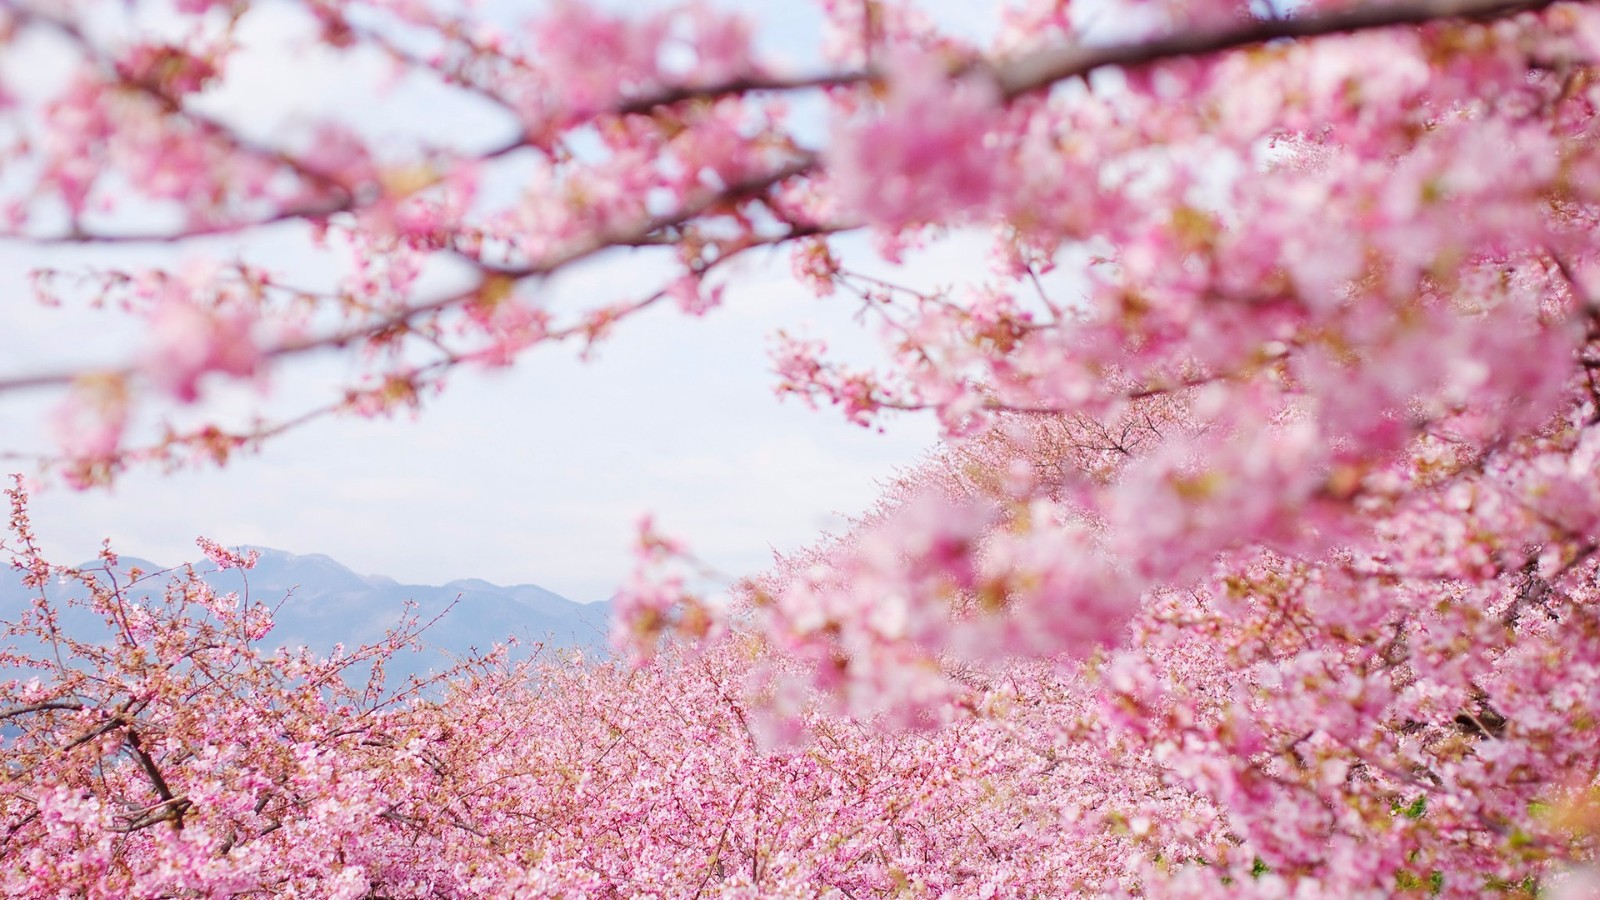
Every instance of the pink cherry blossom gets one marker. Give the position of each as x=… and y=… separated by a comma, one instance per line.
x=929, y=153
x=188, y=341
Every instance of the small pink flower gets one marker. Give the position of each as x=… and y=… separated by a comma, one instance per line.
x=223, y=558
x=929, y=156
x=692, y=296
x=188, y=341
x=90, y=422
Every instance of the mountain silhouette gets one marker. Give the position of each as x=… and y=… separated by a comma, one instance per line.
x=321, y=603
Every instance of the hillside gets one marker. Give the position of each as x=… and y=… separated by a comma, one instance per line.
x=320, y=603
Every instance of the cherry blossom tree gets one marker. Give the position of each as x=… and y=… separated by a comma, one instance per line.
x=180, y=758
x=1359, y=721
x=1260, y=555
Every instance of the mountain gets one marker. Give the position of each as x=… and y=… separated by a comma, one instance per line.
x=320, y=602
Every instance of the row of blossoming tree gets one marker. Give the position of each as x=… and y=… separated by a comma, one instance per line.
x=1263, y=563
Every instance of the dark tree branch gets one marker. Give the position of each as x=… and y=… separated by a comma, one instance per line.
x=1036, y=71
x=13, y=712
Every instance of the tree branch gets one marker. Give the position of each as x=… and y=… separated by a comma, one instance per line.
x=1040, y=70
x=13, y=712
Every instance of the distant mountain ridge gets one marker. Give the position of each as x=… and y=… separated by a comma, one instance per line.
x=321, y=602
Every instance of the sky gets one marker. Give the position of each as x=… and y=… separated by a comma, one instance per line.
x=537, y=474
